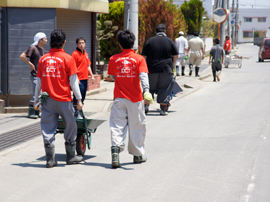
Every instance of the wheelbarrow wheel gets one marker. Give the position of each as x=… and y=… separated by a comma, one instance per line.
x=81, y=144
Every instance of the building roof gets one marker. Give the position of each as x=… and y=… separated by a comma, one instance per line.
x=97, y=6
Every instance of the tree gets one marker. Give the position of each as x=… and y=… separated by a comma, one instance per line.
x=193, y=13
x=116, y=16
x=154, y=12
x=106, y=33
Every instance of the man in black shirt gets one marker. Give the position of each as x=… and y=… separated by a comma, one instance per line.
x=160, y=53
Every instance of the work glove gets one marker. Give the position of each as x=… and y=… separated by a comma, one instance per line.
x=186, y=57
x=148, y=96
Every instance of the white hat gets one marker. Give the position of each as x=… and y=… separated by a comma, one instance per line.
x=37, y=37
x=182, y=33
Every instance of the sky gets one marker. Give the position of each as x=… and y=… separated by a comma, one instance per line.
x=254, y=3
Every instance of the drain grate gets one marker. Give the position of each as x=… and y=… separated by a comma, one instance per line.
x=23, y=134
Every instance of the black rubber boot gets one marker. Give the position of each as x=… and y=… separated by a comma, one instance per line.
x=37, y=113
x=115, y=157
x=214, y=76
x=32, y=112
x=50, y=156
x=197, y=71
x=190, y=69
x=163, y=111
x=71, y=156
x=183, y=70
x=177, y=70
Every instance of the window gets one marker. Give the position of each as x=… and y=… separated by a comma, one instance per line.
x=267, y=43
x=261, y=19
x=247, y=34
x=247, y=19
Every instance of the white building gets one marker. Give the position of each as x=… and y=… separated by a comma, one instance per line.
x=251, y=20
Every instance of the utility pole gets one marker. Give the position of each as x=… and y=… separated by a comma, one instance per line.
x=236, y=22
x=232, y=42
x=131, y=19
x=229, y=18
x=222, y=26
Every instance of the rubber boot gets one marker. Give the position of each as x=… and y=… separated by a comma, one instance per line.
x=190, y=69
x=197, y=71
x=71, y=156
x=37, y=113
x=214, y=76
x=32, y=112
x=183, y=70
x=163, y=110
x=177, y=70
x=115, y=157
x=50, y=156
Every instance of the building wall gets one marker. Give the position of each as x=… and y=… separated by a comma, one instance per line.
x=23, y=24
x=254, y=25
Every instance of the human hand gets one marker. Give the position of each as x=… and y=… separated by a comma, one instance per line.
x=209, y=62
x=148, y=99
x=32, y=67
x=79, y=105
x=36, y=105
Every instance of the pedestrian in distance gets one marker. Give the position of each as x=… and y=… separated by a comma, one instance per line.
x=83, y=70
x=227, y=45
x=181, y=44
x=128, y=69
x=196, y=48
x=56, y=74
x=217, y=59
x=34, y=53
x=160, y=53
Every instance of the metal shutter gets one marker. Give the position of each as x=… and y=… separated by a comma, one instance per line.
x=75, y=24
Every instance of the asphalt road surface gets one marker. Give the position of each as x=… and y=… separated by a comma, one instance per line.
x=214, y=146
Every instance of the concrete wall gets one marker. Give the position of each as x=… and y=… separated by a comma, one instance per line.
x=208, y=43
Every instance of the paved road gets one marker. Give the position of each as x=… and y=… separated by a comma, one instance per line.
x=213, y=147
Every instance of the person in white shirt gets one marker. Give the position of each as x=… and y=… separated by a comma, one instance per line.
x=181, y=44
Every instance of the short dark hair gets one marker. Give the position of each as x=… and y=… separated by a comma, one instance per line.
x=126, y=38
x=58, y=38
x=227, y=37
x=80, y=38
x=161, y=28
x=196, y=33
x=216, y=40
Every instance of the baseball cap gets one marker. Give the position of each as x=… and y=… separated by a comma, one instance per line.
x=37, y=37
x=181, y=33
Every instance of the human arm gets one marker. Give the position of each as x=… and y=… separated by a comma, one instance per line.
x=23, y=56
x=175, y=58
x=222, y=58
x=210, y=59
x=74, y=84
x=90, y=73
x=145, y=86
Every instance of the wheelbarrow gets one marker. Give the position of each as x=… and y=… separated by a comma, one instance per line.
x=85, y=128
x=233, y=59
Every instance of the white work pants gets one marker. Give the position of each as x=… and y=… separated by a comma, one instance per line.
x=127, y=116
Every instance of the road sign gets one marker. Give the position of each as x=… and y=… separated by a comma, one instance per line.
x=232, y=22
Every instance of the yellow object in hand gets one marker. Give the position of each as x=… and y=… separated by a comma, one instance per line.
x=148, y=96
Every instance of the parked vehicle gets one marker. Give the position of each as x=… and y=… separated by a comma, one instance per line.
x=264, y=51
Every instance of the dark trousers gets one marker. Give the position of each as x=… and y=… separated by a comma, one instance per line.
x=216, y=66
x=83, y=89
x=162, y=84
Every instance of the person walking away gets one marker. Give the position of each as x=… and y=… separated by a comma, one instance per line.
x=217, y=58
x=181, y=44
x=195, y=46
x=83, y=70
x=34, y=53
x=227, y=45
x=160, y=53
x=127, y=112
x=56, y=73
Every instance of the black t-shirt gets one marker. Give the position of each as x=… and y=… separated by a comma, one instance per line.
x=159, y=51
x=35, y=53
